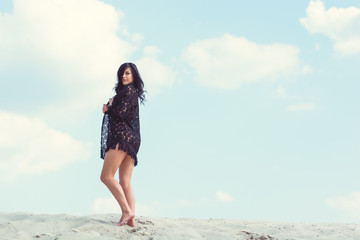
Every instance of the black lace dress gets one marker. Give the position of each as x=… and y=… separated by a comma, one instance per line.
x=121, y=123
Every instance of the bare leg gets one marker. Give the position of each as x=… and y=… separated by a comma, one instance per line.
x=125, y=172
x=112, y=161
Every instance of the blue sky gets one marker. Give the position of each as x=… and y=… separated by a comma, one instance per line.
x=251, y=112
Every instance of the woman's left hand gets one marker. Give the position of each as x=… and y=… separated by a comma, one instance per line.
x=105, y=108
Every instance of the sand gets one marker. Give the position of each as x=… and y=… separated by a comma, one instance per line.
x=17, y=226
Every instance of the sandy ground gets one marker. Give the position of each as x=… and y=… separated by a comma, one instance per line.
x=17, y=226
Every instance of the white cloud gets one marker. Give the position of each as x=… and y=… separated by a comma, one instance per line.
x=349, y=204
x=29, y=146
x=282, y=92
x=155, y=75
x=70, y=48
x=301, y=107
x=306, y=69
x=78, y=35
x=224, y=197
x=65, y=55
x=229, y=61
x=342, y=25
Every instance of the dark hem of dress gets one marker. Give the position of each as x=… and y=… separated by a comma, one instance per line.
x=125, y=147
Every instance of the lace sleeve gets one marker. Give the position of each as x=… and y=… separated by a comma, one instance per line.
x=121, y=106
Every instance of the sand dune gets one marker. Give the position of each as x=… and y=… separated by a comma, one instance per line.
x=17, y=226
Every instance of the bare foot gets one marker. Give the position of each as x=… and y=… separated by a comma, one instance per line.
x=131, y=222
x=125, y=218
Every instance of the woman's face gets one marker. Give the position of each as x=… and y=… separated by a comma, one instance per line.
x=127, y=77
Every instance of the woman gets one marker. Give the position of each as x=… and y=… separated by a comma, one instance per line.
x=120, y=139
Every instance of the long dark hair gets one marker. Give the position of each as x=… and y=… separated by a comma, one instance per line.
x=137, y=81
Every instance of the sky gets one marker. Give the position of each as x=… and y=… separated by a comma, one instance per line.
x=251, y=111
